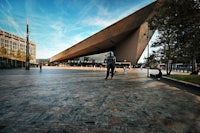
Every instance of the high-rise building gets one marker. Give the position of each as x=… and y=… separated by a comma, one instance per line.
x=14, y=48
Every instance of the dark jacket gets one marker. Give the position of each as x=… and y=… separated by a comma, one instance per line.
x=110, y=60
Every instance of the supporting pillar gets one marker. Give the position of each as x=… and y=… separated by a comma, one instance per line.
x=131, y=48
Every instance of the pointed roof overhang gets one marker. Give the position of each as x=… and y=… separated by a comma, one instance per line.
x=107, y=38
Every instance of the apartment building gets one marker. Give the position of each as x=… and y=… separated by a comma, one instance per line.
x=13, y=47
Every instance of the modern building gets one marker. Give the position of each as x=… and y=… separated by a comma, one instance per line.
x=127, y=38
x=13, y=50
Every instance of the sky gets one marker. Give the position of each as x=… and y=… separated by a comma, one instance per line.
x=56, y=25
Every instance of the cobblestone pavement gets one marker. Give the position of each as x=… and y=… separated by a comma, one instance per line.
x=82, y=101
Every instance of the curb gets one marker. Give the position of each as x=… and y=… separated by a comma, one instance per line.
x=176, y=81
x=184, y=83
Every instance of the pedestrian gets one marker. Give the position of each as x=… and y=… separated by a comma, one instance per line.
x=40, y=66
x=110, y=62
x=159, y=75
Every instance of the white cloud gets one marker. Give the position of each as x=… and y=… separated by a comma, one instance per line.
x=97, y=21
x=45, y=53
x=10, y=19
x=102, y=11
x=12, y=22
x=87, y=9
x=57, y=25
x=105, y=18
x=76, y=39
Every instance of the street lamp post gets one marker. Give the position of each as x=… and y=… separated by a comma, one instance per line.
x=27, y=48
x=148, y=38
x=148, y=54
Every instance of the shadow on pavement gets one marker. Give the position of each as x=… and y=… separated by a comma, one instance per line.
x=188, y=88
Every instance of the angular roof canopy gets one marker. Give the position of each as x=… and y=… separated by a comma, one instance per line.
x=107, y=38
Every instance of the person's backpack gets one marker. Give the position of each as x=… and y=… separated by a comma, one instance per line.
x=110, y=60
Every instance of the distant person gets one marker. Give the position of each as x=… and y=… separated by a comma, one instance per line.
x=159, y=75
x=110, y=62
x=40, y=66
x=124, y=68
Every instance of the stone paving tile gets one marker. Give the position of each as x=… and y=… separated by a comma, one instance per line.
x=81, y=101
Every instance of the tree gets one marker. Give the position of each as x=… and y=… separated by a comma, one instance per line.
x=189, y=30
x=152, y=60
x=12, y=54
x=177, y=22
x=31, y=57
x=3, y=52
x=18, y=56
x=23, y=57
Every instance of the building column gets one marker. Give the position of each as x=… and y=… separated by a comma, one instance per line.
x=131, y=48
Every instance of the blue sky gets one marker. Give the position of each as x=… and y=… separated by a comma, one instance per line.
x=56, y=25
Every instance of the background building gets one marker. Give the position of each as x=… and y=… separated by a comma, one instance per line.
x=45, y=62
x=13, y=50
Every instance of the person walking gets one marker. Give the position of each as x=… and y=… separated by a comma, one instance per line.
x=40, y=66
x=110, y=62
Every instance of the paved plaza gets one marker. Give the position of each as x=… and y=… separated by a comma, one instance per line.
x=80, y=100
